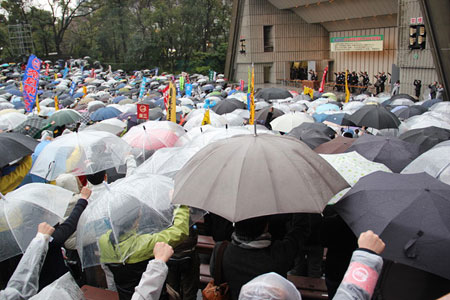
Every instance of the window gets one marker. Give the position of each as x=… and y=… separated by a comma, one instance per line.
x=268, y=38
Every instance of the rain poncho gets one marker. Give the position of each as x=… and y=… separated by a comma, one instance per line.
x=270, y=286
x=24, y=282
x=141, y=246
x=9, y=182
x=65, y=288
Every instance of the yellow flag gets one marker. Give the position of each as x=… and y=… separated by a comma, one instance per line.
x=172, y=106
x=347, y=91
x=56, y=103
x=84, y=91
x=37, y=104
x=21, y=86
x=56, y=76
x=308, y=91
x=206, y=118
x=252, y=98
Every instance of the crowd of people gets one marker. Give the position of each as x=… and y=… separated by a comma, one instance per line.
x=159, y=259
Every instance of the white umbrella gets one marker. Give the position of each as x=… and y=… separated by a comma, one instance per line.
x=286, y=122
x=215, y=119
x=12, y=120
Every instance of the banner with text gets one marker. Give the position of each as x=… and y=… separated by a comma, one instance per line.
x=357, y=43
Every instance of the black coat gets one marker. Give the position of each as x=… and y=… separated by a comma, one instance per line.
x=242, y=265
x=54, y=266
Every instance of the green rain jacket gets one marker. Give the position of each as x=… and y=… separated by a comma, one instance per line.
x=134, y=248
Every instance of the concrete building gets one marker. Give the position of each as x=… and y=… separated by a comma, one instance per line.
x=287, y=38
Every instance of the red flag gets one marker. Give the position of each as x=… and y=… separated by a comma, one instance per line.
x=166, y=96
x=322, y=84
x=242, y=85
x=92, y=73
x=46, y=69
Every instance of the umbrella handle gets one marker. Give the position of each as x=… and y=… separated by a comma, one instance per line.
x=409, y=249
x=49, y=168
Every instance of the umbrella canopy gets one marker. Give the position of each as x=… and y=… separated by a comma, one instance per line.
x=117, y=215
x=273, y=93
x=441, y=107
x=339, y=119
x=14, y=146
x=338, y=145
x=65, y=117
x=435, y=162
x=426, y=138
x=410, y=111
x=352, y=166
x=31, y=126
x=428, y=119
x=287, y=122
x=262, y=114
x=113, y=129
x=326, y=108
x=105, y=113
x=313, y=134
x=410, y=213
x=64, y=288
x=227, y=106
x=402, y=96
x=431, y=102
x=196, y=121
x=374, y=116
x=80, y=153
x=153, y=135
x=11, y=120
x=167, y=161
x=245, y=177
x=95, y=105
x=22, y=210
x=155, y=114
x=390, y=151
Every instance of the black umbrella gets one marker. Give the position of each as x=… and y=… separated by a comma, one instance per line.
x=337, y=145
x=310, y=136
x=273, y=93
x=14, y=146
x=155, y=114
x=374, y=116
x=431, y=102
x=227, y=106
x=328, y=131
x=261, y=115
x=390, y=151
x=410, y=213
x=410, y=111
x=426, y=137
x=402, y=96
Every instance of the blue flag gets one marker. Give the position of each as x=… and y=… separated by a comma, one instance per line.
x=31, y=82
x=72, y=88
x=66, y=70
x=188, y=88
x=142, y=90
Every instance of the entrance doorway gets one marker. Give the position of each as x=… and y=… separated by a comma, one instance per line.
x=267, y=70
x=299, y=70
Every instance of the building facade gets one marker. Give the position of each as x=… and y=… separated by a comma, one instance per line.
x=285, y=39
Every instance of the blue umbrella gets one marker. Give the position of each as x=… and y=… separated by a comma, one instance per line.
x=340, y=119
x=15, y=92
x=118, y=99
x=105, y=113
x=160, y=103
x=78, y=95
x=121, y=85
x=431, y=102
x=209, y=103
x=319, y=117
x=19, y=105
x=4, y=65
x=327, y=107
x=396, y=108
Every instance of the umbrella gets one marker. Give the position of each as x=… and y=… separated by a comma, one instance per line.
x=261, y=115
x=105, y=113
x=155, y=114
x=410, y=111
x=23, y=209
x=80, y=153
x=410, y=213
x=352, y=166
x=427, y=119
x=441, y=107
x=113, y=129
x=351, y=107
x=330, y=96
x=390, y=151
x=249, y=176
x=118, y=211
x=206, y=135
x=309, y=136
x=287, y=122
x=14, y=146
x=95, y=105
x=326, y=108
x=374, y=116
x=426, y=138
x=65, y=117
x=64, y=288
x=431, y=102
x=339, y=119
x=153, y=135
x=31, y=126
x=167, y=161
x=227, y=106
x=402, y=96
x=401, y=102
x=196, y=121
x=11, y=120
x=338, y=145
x=272, y=93
x=435, y=162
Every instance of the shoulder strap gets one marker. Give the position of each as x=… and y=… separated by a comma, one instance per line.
x=218, y=263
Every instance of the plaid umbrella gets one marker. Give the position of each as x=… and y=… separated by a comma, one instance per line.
x=31, y=126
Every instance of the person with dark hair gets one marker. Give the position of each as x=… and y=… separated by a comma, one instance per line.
x=418, y=87
x=253, y=252
x=433, y=90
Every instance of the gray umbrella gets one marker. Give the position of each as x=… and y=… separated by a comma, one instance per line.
x=409, y=212
x=249, y=176
x=312, y=137
x=426, y=137
x=273, y=93
x=390, y=151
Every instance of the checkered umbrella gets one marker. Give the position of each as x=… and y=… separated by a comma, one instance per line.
x=31, y=126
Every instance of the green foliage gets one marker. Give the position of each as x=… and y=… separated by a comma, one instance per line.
x=174, y=35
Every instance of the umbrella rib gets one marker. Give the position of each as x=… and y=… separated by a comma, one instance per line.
x=12, y=231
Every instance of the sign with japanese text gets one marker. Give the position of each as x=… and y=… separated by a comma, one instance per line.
x=357, y=43
x=142, y=111
x=31, y=82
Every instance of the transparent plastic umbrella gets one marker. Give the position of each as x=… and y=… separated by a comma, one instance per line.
x=352, y=166
x=167, y=161
x=195, y=121
x=287, y=122
x=131, y=207
x=215, y=134
x=152, y=135
x=435, y=162
x=81, y=153
x=22, y=210
x=426, y=120
x=12, y=120
x=64, y=288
